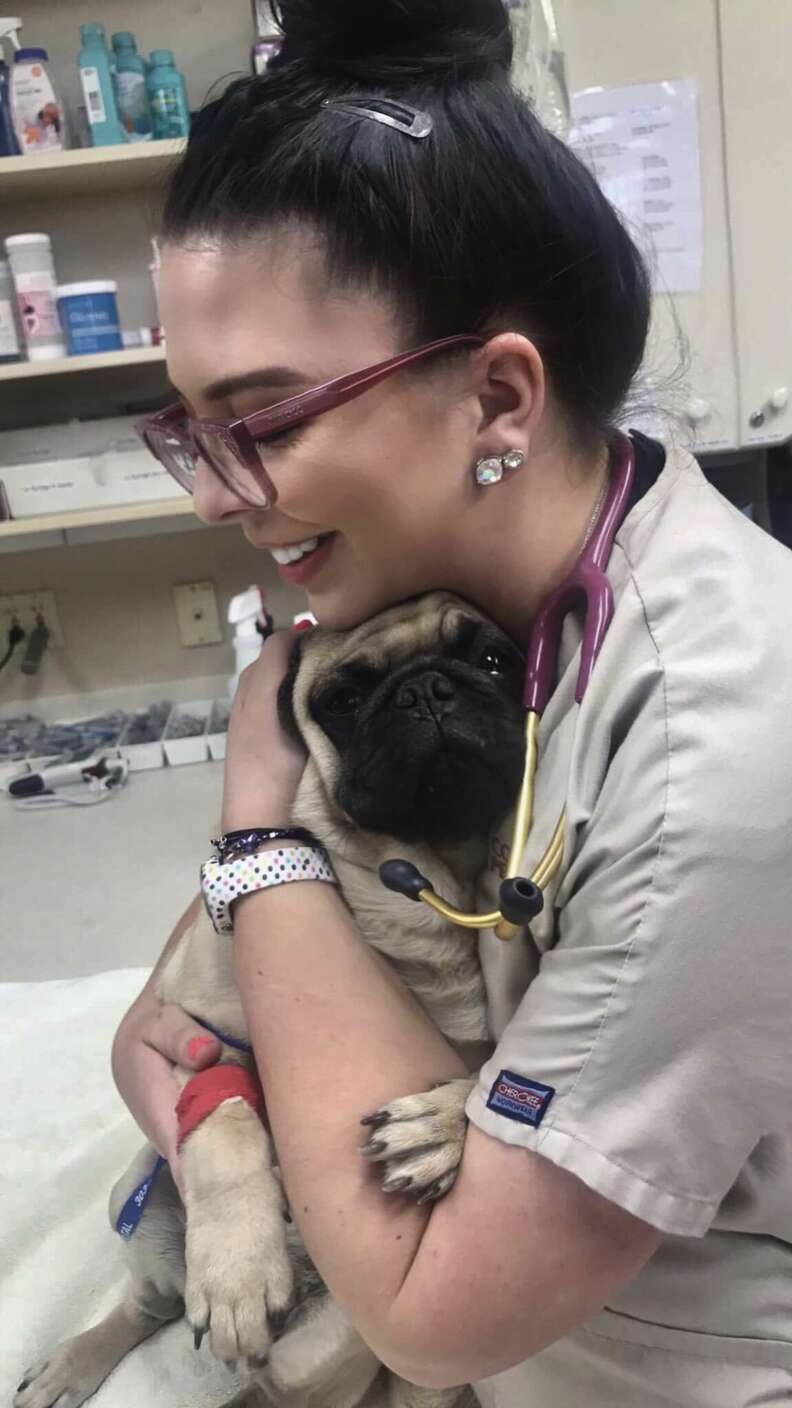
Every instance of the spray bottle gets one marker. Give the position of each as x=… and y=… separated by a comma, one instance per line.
x=36, y=113
x=252, y=624
x=9, y=146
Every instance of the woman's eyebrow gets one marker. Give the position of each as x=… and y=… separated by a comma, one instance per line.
x=264, y=376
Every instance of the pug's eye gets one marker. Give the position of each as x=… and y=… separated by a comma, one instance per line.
x=495, y=662
x=343, y=702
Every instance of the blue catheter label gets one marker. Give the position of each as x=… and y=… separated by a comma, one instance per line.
x=521, y=1099
x=135, y=1205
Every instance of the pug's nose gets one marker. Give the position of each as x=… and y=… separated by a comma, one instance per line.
x=430, y=693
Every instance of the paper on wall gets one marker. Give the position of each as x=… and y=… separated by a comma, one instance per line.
x=641, y=141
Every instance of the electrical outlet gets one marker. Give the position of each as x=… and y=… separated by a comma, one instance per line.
x=26, y=607
x=196, y=613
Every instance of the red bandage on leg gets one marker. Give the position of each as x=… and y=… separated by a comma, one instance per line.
x=210, y=1089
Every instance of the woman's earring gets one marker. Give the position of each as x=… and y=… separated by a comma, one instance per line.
x=492, y=469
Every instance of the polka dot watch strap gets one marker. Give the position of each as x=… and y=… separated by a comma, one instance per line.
x=222, y=883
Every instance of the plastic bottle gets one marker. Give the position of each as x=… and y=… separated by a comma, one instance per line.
x=252, y=623
x=36, y=111
x=154, y=270
x=170, y=113
x=9, y=146
x=9, y=339
x=133, y=103
x=96, y=77
x=30, y=257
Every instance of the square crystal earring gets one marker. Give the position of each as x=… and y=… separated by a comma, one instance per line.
x=492, y=469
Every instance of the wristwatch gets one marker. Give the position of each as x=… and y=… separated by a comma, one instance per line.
x=245, y=861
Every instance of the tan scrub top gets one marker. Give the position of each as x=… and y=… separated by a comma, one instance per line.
x=644, y=1029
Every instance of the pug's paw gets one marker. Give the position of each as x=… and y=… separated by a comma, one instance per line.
x=419, y=1139
x=240, y=1281
x=71, y=1374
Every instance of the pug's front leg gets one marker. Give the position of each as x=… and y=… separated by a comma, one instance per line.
x=419, y=1139
x=240, y=1283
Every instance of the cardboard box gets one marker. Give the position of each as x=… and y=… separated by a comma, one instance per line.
x=100, y=481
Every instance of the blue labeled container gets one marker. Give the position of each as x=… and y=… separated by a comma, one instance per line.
x=98, y=84
x=170, y=112
x=89, y=315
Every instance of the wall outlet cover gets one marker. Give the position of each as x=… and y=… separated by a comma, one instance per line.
x=197, y=614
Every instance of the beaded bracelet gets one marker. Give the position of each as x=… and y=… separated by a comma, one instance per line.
x=244, y=843
x=224, y=882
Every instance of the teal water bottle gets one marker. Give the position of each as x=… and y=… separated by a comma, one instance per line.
x=133, y=103
x=167, y=93
x=96, y=77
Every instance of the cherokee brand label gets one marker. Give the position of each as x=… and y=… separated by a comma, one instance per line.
x=521, y=1099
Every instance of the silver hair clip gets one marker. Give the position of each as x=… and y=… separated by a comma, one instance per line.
x=411, y=121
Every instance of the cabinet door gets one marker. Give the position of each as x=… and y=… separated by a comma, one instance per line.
x=757, y=98
x=622, y=42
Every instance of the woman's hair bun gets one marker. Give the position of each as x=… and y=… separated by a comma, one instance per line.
x=377, y=42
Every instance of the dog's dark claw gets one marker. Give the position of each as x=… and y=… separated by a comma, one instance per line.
x=379, y=1117
x=21, y=1387
x=397, y=1186
x=199, y=1334
x=277, y=1318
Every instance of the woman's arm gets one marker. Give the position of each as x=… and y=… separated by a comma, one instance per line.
x=520, y=1251
x=149, y=1040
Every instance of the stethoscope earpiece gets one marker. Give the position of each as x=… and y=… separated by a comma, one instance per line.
x=520, y=901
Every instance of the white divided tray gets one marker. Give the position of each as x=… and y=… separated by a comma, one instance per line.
x=143, y=756
x=218, y=729
x=195, y=748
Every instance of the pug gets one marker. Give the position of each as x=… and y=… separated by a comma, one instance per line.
x=413, y=729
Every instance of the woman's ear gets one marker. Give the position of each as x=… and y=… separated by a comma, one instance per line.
x=511, y=394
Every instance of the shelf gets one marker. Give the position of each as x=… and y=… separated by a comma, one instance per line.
x=95, y=518
x=86, y=171
x=96, y=362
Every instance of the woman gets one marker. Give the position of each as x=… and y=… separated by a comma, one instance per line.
x=306, y=240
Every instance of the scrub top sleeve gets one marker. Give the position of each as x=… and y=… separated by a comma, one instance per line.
x=651, y=1051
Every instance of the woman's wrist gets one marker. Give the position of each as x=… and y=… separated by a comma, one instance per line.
x=260, y=809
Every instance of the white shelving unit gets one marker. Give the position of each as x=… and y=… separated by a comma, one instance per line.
x=49, y=189
x=87, y=171
x=96, y=362
x=22, y=528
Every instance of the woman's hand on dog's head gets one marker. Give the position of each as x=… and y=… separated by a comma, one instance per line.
x=263, y=766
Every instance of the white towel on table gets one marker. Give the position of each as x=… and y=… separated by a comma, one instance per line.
x=65, y=1136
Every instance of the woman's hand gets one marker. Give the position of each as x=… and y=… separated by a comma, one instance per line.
x=150, y=1041
x=263, y=766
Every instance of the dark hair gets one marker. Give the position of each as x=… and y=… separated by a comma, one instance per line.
x=488, y=224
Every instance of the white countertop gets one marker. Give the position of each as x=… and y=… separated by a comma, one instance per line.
x=86, y=889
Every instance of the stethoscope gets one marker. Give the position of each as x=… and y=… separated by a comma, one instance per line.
x=586, y=585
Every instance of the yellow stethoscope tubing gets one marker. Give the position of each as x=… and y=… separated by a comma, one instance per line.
x=523, y=820
x=588, y=578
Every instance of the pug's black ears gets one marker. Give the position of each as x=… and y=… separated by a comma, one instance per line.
x=286, y=714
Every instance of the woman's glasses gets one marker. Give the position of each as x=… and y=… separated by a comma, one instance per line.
x=236, y=449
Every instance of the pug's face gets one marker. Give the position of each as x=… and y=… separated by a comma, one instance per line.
x=414, y=719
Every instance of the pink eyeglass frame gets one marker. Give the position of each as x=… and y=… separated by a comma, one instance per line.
x=240, y=436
